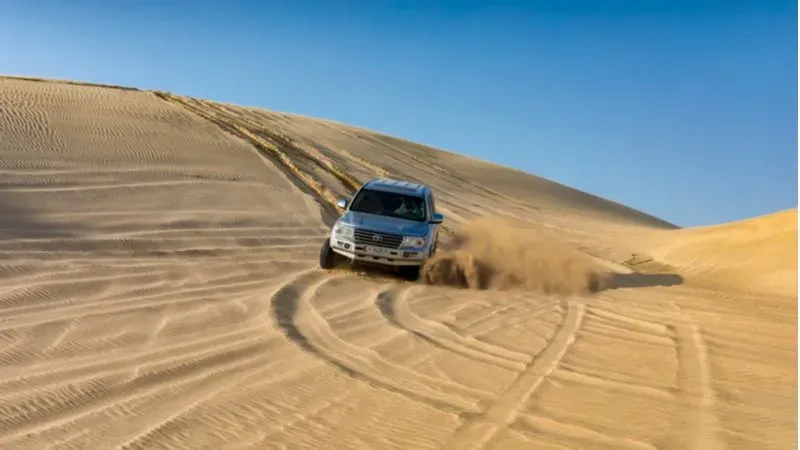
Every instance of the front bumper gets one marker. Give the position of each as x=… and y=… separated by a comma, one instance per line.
x=378, y=255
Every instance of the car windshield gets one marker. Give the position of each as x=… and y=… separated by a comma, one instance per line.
x=391, y=204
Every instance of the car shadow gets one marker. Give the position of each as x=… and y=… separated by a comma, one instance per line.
x=641, y=280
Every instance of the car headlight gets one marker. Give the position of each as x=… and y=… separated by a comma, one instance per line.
x=343, y=231
x=413, y=242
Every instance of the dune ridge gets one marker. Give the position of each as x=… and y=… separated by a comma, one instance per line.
x=160, y=289
x=757, y=254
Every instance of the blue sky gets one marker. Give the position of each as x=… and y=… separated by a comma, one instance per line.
x=686, y=110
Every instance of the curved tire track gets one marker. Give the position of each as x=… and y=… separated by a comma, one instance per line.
x=394, y=307
x=506, y=409
x=303, y=325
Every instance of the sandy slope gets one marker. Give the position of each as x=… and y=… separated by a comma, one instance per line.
x=758, y=254
x=159, y=290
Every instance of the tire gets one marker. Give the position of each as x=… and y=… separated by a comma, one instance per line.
x=435, y=245
x=410, y=273
x=327, y=257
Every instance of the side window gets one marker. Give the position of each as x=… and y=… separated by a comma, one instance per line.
x=432, y=204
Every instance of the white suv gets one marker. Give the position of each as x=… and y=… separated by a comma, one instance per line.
x=387, y=222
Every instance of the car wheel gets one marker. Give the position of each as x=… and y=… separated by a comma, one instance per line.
x=410, y=273
x=327, y=257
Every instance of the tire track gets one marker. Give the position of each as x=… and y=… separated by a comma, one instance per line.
x=278, y=150
x=503, y=412
x=268, y=151
x=652, y=324
x=487, y=316
x=695, y=383
x=695, y=392
x=287, y=145
x=542, y=425
x=394, y=307
x=379, y=171
x=303, y=325
x=631, y=387
x=485, y=326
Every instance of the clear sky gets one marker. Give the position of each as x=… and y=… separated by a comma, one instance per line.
x=683, y=109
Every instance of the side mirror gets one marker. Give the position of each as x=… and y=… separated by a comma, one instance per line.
x=341, y=203
x=437, y=218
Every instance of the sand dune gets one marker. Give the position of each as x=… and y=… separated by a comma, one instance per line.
x=756, y=254
x=160, y=289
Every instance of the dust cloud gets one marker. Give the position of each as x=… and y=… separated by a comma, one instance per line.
x=497, y=255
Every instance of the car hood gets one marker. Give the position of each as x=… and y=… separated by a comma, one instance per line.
x=383, y=223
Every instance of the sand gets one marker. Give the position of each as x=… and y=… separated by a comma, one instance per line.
x=160, y=289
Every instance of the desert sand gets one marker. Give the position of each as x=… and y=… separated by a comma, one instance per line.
x=160, y=289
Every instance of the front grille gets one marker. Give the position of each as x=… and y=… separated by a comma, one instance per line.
x=387, y=240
